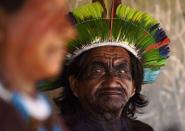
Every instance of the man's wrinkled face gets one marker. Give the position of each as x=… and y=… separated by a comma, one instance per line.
x=106, y=83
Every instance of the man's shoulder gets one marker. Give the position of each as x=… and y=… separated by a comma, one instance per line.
x=9, y=116
x=136, y=125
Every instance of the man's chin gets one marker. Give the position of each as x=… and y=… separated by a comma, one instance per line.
x=111, y=103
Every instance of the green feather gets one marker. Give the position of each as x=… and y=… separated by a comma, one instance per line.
x=88, y=12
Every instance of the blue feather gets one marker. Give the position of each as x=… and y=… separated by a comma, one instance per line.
x=160, y=35
x=164, y=51
x=150, y=75
x=156, y=26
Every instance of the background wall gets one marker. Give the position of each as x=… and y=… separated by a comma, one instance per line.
x=166, y=111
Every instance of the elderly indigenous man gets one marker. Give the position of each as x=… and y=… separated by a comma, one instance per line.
x=33, y=36
x=117, y=50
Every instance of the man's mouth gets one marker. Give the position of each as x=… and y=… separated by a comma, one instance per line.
x=111, y=92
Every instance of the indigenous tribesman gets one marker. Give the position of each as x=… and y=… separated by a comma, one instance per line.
x=118, y=49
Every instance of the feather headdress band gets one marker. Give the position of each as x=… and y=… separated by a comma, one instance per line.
x=110, y=23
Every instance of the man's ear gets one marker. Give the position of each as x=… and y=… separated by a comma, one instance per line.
x=133, y=92
x=72, y=83
x=133, y=89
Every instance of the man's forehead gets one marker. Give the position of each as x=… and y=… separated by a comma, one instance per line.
x=109, y=52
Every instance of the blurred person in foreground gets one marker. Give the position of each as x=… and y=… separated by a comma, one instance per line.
x=33, y=37
x=118, y=49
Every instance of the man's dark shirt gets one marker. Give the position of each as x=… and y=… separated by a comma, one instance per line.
x=10, y=119
x=85, y=124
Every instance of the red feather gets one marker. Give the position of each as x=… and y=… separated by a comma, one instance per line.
x=158, y=45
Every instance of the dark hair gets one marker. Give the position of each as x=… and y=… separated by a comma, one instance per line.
x=11, y=6
x=69, y=104
x=138, y=101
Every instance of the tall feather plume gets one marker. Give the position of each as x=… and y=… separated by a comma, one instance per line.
x=114, y=5
x=110, y=7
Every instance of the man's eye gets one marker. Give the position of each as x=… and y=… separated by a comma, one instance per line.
x=98, y=70
x=121, y=71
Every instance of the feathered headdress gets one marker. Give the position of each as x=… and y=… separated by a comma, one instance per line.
x=110, y=23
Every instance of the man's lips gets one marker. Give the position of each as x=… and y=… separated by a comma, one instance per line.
x=111, y=92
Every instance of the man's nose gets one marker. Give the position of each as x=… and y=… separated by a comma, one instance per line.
x=111, y=81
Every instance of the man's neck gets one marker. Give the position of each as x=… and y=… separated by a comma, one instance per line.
x=107, y=121
x=101, y=114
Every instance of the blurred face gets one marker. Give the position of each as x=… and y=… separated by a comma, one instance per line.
x=106, y=84
x=37, y=36
x=43, y=59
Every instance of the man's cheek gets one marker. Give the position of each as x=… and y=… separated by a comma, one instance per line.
x=127, y=77
x=84, y=89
